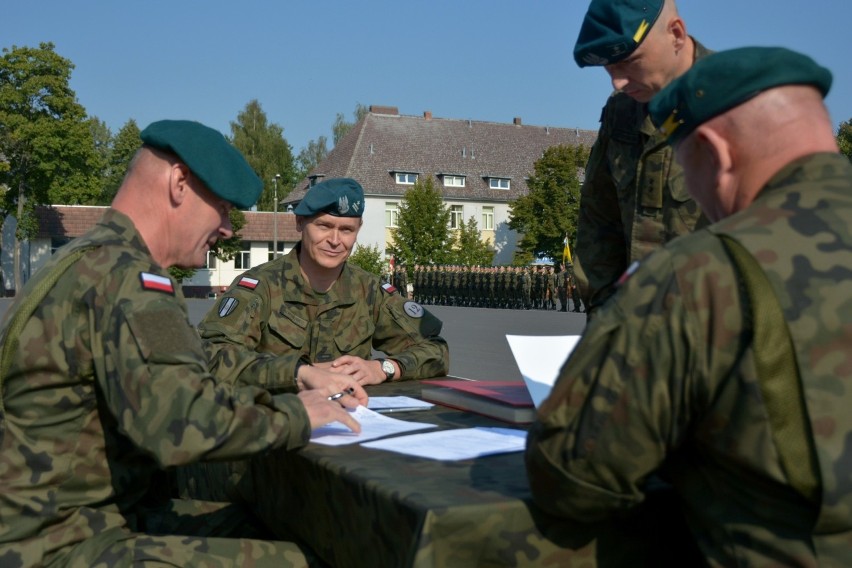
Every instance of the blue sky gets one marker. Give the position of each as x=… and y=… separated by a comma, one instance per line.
x=307, y=60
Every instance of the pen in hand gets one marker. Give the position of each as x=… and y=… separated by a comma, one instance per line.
x=340, y=394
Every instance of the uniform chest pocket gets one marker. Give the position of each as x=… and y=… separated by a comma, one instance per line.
x=289, y=326
x=622, y=156
x=352, y=334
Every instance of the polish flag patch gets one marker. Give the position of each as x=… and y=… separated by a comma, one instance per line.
x=250, y=283
x=634, y=266
x=389, y=288
x=156, y=282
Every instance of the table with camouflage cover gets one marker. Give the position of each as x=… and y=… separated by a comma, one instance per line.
x=360, y=507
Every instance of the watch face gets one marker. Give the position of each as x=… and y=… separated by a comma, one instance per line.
x=387, y=367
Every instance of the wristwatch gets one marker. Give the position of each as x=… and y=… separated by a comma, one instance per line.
x=388, y=368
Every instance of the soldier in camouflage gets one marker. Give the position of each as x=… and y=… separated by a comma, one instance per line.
x=633, y=198
x=723, y=362
x=105, y=382
x=306, y=317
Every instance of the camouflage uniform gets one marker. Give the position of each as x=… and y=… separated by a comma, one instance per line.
x=108, y=386
x=271, y=310
x=665, y=380
x=633, y=199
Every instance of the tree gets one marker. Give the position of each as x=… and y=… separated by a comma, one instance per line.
x=549, y=211
x=311, y=155
x=469, y=249
x=341, y=128
x=124, y=147
x=45, y=138
x=844, y=138
x=224, y=250
x=367, y=257
x=422, y=235
x=267, y=152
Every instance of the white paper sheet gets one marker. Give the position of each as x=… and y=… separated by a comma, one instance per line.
x=373, y=425
x=397, y=404
x=539, y=359
x=459, y=444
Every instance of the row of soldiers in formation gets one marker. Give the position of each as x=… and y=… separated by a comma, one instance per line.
x=513, y=287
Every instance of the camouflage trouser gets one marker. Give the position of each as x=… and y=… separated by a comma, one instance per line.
x=216, y=529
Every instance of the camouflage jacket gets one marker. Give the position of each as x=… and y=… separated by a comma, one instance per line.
x=270, y=319
x=633, y=199
x=664, y=381
x=108, y=386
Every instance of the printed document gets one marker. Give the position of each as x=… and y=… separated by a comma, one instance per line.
x=539, y=359
x=373, y=425
x=459, y=444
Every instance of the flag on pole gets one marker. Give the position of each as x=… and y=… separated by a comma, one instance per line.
x=566, y=251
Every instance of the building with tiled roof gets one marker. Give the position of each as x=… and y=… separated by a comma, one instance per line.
x=480, y=167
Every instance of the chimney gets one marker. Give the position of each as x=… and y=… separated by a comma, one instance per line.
x=517, y=121
x=427, y=115
x=377, y=109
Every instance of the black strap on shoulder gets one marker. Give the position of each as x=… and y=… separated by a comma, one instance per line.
x=35, y=295
x=778, y=373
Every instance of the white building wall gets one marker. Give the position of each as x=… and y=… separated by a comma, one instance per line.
x=505, y=240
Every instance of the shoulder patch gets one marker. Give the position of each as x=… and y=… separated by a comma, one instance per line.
x=227, y=306
x=634, y=266
x=413, y=309
x=156, y=282
x=389, y=288
x=250, y=283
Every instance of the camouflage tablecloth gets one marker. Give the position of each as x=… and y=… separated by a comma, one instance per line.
x=360, y=507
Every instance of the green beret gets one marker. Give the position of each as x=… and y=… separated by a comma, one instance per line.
x=613, y=29
x=723, y=80
x=341, y=197
x=209, y=156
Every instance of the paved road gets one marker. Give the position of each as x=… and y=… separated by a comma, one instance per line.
x=477, y=336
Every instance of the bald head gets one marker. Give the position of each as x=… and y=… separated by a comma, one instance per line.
x=728, y=159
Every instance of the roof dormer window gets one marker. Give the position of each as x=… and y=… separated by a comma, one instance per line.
x=406, y=178
x=499, y=182
x=453, y=180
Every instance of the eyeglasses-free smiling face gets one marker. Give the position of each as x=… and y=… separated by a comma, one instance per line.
x=327, y=240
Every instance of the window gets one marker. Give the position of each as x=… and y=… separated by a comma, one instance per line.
x=280, y=249
x=210, y=264
x=391, y=214
x=498, y=183
x=456, y=216
x=243, y=259
x=487, y=218
x=406, y=178
x=453, y=181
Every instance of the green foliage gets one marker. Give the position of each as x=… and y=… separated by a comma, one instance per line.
x=44, y=132
x=311, y=155
x=123, y=148
x=267, y=152
x=844, y=138
x=341, y=128
x=422, y=235
x=367, y=257
x=468, y=247
x=549, y=211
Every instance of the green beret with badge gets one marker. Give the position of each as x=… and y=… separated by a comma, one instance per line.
x=613, y=29
x=341, y=197
x=726, y=79
x=209, y=156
